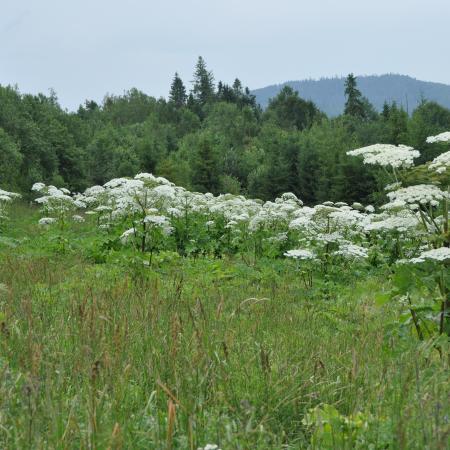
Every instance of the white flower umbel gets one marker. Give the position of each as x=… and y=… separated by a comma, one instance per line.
x=387, y=155
x=45, y=221
x=300, y=253
x=6, y=198
x=405, y=221
x=58, y=203
x=393, y=186
x=437, y=254
x=160, y=222
x=351, y=251
x=38, y=187
x=441, y=163
x=443, y=137
x=209, y=447
x=415, y=196
x=9, y=195
x=126, y=235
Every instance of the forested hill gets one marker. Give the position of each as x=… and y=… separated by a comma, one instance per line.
x=209, y=137
x=328, y=93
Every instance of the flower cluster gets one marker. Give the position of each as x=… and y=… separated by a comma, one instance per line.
x=413, y=197
x=300, y=254
x=394, y=156
x=6, y=198
x=403, y=221
x=436, y=254
x=443, y=137
x=151, y=213
x=441, y=163
x=57, y=204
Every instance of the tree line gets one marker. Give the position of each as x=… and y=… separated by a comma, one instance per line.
x=213, y=137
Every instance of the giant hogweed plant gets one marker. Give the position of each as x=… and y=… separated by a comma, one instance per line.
x=409, y=233
x=416, y=219
x=6, y=199
x=58, y=205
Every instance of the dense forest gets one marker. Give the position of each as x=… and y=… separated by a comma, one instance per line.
x=211, y=138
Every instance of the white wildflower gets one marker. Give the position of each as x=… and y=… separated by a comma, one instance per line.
x=103, y=208
x=79, y=204
x=349, y=250
x=414, y=196
x=126, y=235
x=303, y=254
x=46, y=221
x=400, y=223
x=176, y=212
x=393, y=186
x=94, y=191
x=38, y=187
x=155, y=220
x=280, y=237
x=231, y=224
x=387, y=155
x=443, y=137
x=437, y=254
x=328, y=238
x=145, y=176
x=441, y=163
x=289, y=197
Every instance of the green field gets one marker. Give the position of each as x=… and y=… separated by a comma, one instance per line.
x=187, y=352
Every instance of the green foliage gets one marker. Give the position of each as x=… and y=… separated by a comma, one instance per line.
x=428, y=119
x=210, y=137
x=102, y=348
x=332, y=430
x=288, y=111
x=203, y=85
x=177, y=93
x=10, y=161
x=355, y=105
x=205, y=164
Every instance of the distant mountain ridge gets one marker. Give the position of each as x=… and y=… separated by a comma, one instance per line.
x=328, y=93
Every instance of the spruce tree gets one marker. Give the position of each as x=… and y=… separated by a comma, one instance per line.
x=205, y=169
x=203, y=89
x=177, y=94
x=386, y=111
x=354, y=106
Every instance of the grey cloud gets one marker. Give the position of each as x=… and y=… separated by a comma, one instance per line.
x=84, y=49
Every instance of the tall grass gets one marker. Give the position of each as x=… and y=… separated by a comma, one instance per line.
x=190, y=352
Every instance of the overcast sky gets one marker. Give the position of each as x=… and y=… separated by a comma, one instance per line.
x=87, y=48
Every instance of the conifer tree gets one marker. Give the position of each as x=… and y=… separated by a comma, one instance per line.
x=205, y=170
x=354, y=106
x=177, y=94
x=386, y=111
x=203, y=89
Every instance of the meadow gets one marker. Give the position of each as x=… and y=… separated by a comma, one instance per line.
x=156, y=318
